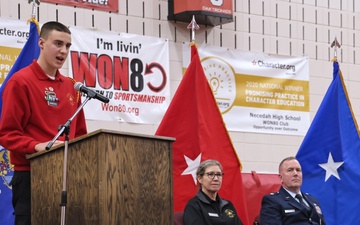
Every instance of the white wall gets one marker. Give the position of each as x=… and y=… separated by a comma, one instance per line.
x=284, y=27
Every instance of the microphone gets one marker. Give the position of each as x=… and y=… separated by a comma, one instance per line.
x=92, y=94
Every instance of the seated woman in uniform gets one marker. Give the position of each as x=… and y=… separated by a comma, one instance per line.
x=207, y=208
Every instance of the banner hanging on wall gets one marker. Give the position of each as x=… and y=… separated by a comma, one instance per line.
x=131, y=70
x=104, y=5
x=257, y=92
x=14, y=34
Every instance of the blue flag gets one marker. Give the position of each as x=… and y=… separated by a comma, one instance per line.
x=29, y=52
x=330, y=156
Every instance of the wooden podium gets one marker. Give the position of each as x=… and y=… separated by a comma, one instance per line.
x=113, y=178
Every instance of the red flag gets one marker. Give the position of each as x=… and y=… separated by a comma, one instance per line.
x=194, y=119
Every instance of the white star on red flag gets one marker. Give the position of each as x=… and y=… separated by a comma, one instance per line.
x=192, y=166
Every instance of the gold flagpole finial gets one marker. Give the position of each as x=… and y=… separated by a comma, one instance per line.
x=193, y=26
x=335, y=44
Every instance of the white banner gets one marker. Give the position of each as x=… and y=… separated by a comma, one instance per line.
x=131, y=70
x=257, y=92
x=13, y=35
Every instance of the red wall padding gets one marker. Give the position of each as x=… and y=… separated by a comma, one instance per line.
x=255, y=187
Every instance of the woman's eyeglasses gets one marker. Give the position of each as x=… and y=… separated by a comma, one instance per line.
x=212, y=175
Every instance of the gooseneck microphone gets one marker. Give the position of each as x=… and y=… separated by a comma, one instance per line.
x=92, y=94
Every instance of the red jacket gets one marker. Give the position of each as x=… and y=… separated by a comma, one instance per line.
x=33, y=108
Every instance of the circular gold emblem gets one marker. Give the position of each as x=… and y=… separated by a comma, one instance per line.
x=229, y=213
x=221, y=77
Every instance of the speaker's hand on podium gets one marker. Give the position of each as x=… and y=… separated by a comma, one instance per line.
x=41, y=146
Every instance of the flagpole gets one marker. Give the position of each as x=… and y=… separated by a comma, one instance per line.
x=34, y=3
x=335, y=44
x=193, y=26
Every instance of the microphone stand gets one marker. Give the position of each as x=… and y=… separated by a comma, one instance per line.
x=65, y=129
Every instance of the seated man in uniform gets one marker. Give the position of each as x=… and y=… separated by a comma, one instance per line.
x=290, y=206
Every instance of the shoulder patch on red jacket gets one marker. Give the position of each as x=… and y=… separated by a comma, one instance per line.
x=78, y=92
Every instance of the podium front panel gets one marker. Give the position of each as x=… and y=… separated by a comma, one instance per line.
x=112, y=179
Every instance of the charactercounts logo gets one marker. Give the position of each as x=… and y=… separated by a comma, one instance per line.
x=221, y=77
x=275, y=65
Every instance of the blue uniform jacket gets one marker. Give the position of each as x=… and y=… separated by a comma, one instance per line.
x=281, y=208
